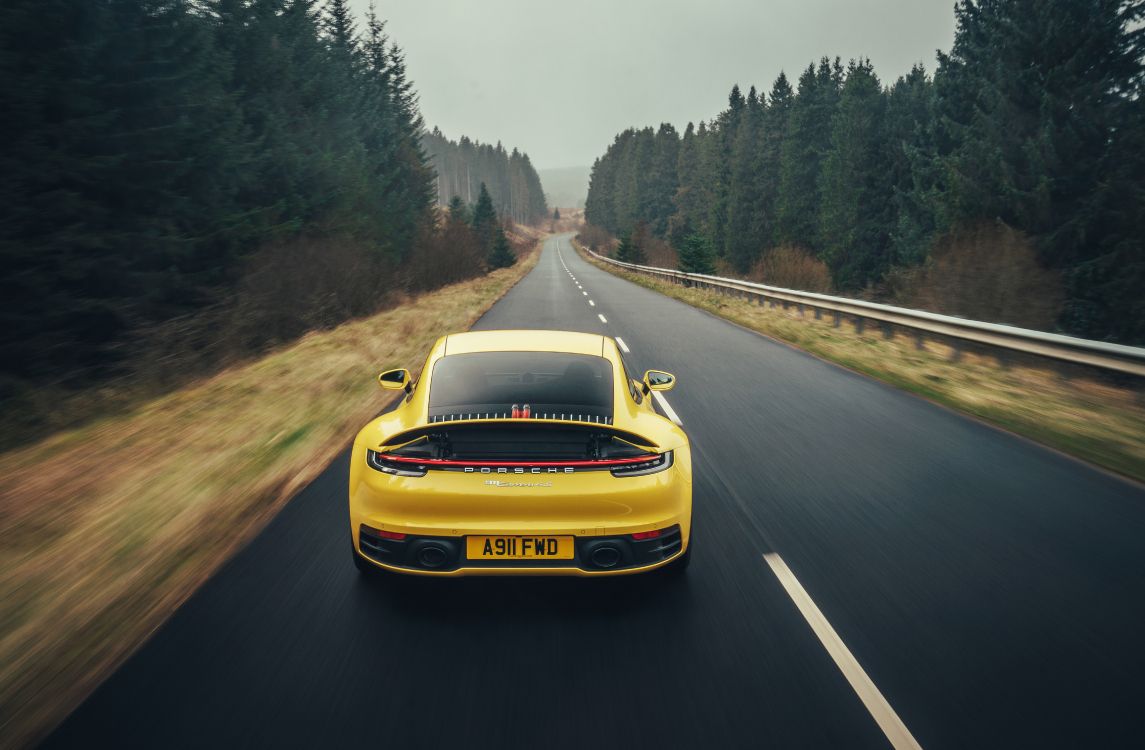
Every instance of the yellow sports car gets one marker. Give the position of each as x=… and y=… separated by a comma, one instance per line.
x=522, y=453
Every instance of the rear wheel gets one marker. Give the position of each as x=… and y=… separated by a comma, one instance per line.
x=365, y=568
x=678, y=566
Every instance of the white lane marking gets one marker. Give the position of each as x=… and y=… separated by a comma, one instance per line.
x=881, y=711
x=623, y=346
x=602, y=318
x=591, y=303
x=669, y=412
x=585, y=293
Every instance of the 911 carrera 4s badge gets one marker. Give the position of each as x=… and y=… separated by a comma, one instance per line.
x=499, y=483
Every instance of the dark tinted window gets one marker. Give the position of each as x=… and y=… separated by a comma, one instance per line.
x=549, y=382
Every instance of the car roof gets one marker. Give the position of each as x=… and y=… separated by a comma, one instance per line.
x=524, y=341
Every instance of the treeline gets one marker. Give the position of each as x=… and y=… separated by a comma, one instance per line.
x=183, y=181
x=462, y=166
x=1034, y=122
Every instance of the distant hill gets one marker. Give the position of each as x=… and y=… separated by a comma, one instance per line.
x=565, y=187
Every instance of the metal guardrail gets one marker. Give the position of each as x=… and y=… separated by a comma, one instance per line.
x=1100, y=354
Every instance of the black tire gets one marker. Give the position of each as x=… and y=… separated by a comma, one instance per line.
x=679, y=566
x=365, y=568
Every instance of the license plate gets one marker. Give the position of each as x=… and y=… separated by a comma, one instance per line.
x=519, y=548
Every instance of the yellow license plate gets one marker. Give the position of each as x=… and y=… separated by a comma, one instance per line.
x=519, y=548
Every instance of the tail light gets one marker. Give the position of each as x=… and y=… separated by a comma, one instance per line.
x=650, y=466
x=640, y=536
x=388, y=465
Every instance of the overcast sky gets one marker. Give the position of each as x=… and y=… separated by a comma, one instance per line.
x=560, y=79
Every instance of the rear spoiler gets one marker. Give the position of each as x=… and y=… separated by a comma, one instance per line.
x=407, y=437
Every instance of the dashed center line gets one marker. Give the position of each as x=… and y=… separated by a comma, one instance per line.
x=669, y=412
x=602, y=318
x=591, y=303
x=881, y=711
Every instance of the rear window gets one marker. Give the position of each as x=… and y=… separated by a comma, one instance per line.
x=570, y=386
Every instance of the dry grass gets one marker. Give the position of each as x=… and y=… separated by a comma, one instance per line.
x=1082, y=416
x=109, y=527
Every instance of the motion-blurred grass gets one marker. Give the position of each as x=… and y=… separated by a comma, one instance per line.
x=108, y=528
x=1079, y=415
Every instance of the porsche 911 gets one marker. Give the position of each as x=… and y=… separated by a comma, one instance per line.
x=522, y=453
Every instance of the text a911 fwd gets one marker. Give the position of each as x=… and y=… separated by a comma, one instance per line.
x=522, y=453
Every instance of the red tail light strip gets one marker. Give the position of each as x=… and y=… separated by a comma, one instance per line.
x=602, y=462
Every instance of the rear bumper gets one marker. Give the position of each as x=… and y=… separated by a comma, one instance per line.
x=594, y=555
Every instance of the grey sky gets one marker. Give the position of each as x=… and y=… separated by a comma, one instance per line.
x=560, y=79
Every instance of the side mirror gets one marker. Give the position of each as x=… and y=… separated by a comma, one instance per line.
x=658, y=380
x=395, y=380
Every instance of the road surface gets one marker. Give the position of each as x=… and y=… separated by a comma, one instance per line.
x=990, y=591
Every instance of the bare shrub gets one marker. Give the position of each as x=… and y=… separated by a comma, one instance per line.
x=446, y=256
x=986, y=271
x=287, y=287
x=659, y=253
x=791, y=267
x=596, y=239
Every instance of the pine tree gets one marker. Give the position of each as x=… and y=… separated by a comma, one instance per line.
x=1039, y=103
x=625, y=250
x=775, y=126
x=556, y=214
x=745, y=194
x=912, y=166
x=696, y=255
x=458, y=211
x=688, y=202
x=501, y=256
x=805, y=147
x=485, y=224
x=856, y=219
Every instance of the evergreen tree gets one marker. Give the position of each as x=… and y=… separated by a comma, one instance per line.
x=912, y=166
x=805, y=147
x=458, y=211
x=856, y=217
x=625, y=250
x=485, y=223
x=556, y=214
x=689, y=201
x=696, y=255
x=746, y=191
x=501, y=256
x=1039, y=102
x=775, y=126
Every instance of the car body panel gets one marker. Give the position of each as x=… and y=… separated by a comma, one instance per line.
x=522, y=500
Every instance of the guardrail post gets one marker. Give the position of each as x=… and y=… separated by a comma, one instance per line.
x=801, y=310
x=888, y=331
x=838, y=318
x=818, y=314
x=773, y=303
x=860, y=325
x=919, y=341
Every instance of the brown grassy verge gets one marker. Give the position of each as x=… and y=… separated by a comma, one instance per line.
x=1080, y=415
x=108, y=528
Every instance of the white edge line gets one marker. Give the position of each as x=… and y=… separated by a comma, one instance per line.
x=602, y=318
x=881, y=711
x=668, y=410
x=623, y=346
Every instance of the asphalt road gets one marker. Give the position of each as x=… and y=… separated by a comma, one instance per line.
x=991, y=589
